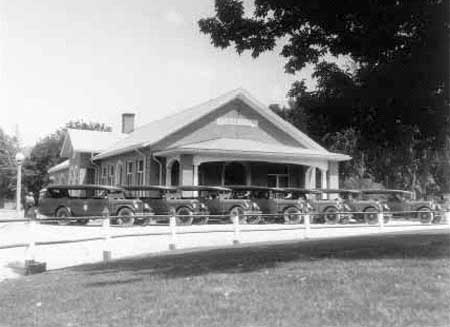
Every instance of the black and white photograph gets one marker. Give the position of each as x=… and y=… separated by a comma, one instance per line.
x=224, y=163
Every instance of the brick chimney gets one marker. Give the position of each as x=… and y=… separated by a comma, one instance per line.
x=127, y=123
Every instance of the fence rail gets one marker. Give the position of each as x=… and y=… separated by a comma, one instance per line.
x=234, y=226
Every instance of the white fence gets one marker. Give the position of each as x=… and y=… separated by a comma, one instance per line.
x=173, y=232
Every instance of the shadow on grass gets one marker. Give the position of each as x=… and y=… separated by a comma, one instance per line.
x=182, y=264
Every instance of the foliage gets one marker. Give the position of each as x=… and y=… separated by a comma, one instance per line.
x=45, y=154
x=8, y=150
x=395, y=99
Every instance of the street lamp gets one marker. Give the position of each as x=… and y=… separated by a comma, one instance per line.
x=19, y=160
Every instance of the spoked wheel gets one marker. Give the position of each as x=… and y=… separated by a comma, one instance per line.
x=82, y=221
x=425, y=215
x=202, y=218
x=371, y=216
x=125, y=217
x=292, y=216
x=254, y=219
x=184, y=216
x=63, y=213
x=238, y=212
x=331, y=216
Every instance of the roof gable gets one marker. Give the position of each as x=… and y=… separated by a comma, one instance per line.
x=158, y=130
x=87, y=141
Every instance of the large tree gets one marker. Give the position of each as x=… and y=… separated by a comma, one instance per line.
x=8, y=150
x=396, y=97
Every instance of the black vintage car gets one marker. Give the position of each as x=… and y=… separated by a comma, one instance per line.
x=80, y=202
x=328, y=211
x=223, y=204
x=167, y=200
x=403, y=205
x=362, y=209
x=278, y=204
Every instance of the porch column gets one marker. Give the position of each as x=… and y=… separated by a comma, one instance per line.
x=187, y=170
x=195, y=174
x=168, y=175
x=333, y=167
x=310, y=177
x=323, y=182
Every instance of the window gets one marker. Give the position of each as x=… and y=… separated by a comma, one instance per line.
x=140, y=172
x=104, y=175
x=278, y=176
x=111, y=175
x=130, y=169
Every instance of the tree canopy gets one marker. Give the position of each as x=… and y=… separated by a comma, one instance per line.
x=392, y=108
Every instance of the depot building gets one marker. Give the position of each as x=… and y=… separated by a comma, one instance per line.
x=229, y=140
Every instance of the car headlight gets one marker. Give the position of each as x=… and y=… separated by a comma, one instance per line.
x=347, y=207
x=386, y=207
x=246, y=205
x=135, y=204
x=255, y=206
x=202, y=205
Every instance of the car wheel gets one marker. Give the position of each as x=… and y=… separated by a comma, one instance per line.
x=201, y=218
x=292, y=216
x=254, y=219
x=125, y=217
x=371, y=216
x=184, y=216
x=82, y=221
x=63, y=213
x=238, y=212
x=330, y=215
x=425, y=215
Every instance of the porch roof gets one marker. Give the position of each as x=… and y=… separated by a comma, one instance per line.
x=251, y=148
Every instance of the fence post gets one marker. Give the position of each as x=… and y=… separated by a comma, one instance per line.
x=236, y=229
x=381, y=221
x=30, y=255
x=307, y=223
x=31, y=265
x=447, y=216
x=173, y=231
x=106, y=224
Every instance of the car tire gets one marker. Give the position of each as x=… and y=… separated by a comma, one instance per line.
x=125, y=217
x=238, y=212
x=371, y=216
x=184, y=216
x=63, y=212
x=330, y=215
x=292, y=216
x=82, y=221
x=425, y=215
x=201, y=218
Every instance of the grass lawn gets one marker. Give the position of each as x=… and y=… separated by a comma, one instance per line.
x=395, y=280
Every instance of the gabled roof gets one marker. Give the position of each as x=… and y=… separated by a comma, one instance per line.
x=88, y=141
x=158, y=130
x=61, y=166
x=252, y=147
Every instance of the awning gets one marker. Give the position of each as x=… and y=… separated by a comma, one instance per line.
x=251, y=149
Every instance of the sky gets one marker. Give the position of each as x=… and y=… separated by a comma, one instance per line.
x=92, y=60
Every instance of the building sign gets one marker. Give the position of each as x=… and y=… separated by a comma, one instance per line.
x=237, y=121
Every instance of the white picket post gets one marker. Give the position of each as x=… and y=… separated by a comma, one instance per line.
x=447, y=216
x=236, y=230
x=106, y=225
x=30, y=255
x=381, y=221
x=307, y=223
x=173, y=232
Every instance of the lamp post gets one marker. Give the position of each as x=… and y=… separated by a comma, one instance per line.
x=19, y=160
